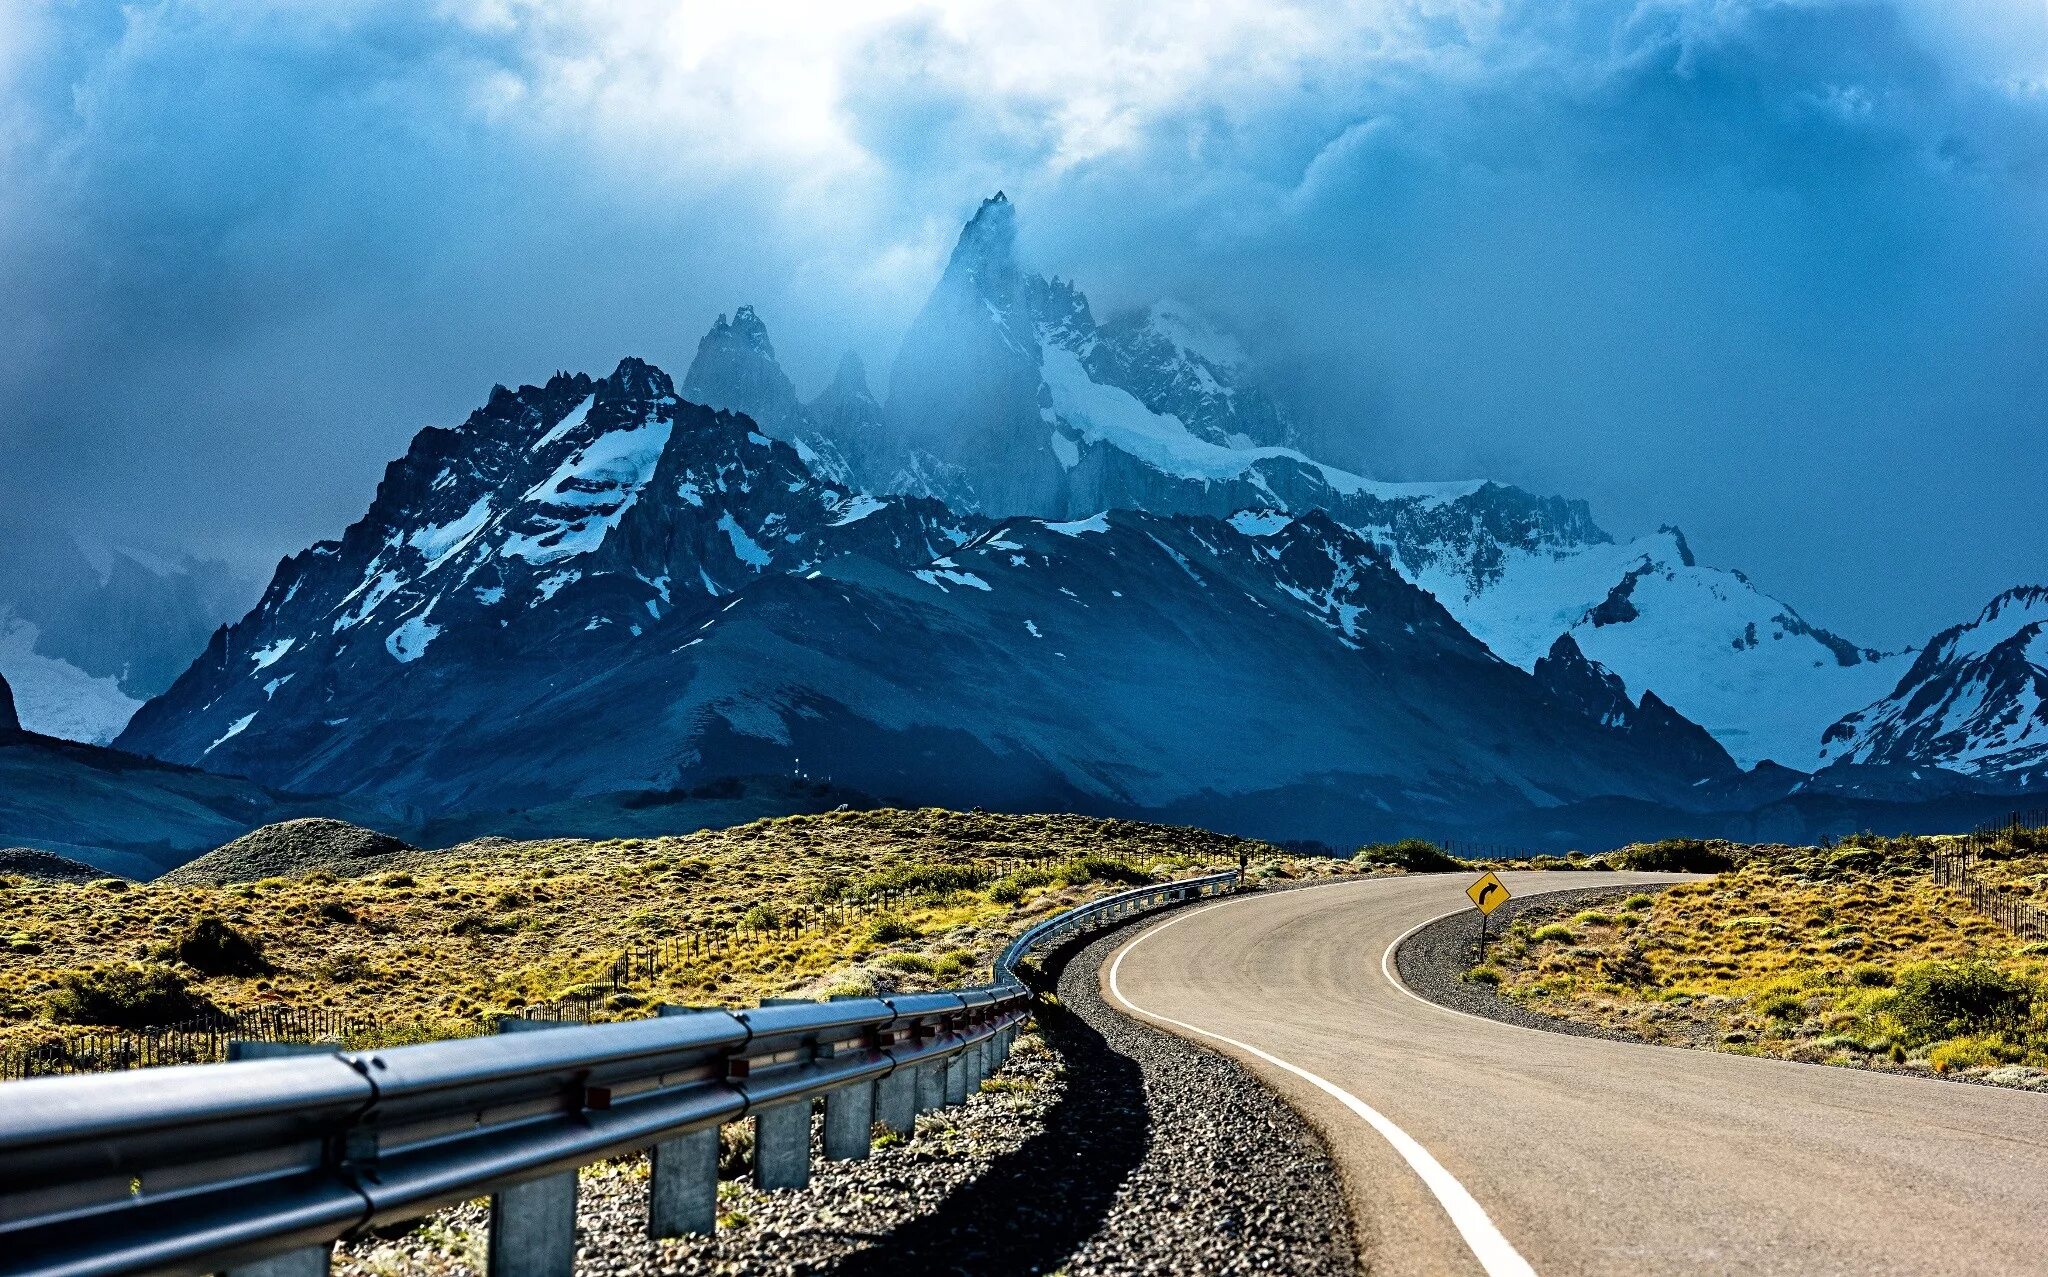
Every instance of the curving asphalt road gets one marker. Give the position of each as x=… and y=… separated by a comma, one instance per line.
x=1471, y=1146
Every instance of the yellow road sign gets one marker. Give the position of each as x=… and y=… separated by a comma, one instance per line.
x=1489, y=893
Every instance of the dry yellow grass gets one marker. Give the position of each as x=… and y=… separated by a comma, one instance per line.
x=428, y=942
x=1843, y=955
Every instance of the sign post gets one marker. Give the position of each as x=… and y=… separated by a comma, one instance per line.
x=1487, y=895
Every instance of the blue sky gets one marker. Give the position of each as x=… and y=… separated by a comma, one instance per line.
x=1772, y=270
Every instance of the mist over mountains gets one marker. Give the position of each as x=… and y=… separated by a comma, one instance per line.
x=1067, y=562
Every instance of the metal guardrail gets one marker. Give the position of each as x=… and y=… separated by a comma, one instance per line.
x=258, y=1167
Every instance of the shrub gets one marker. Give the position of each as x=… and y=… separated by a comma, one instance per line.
x=1086, y=869
x=1972, y=1053
x=475, y=924
x=135, y=996
x=1870, y=975
x=1412, y=855
x=335, y=911
x=762, y=917
x=1010, y=889
x=1673, y=855
x=1940, y=1000
x=925, y=880
x=1554, y=931
x=915, y=963
x=1482, y=975
x=1638, y=902
x=211, y=947
x=889, y=928
x=1594, y=918
x=343, y=968
x=1782, y=1006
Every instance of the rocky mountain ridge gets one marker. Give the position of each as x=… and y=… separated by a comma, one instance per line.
x=597, y=586
x=1974, y=702
x=1010, y=397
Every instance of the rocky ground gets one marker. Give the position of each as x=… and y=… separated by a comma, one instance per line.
x=1104, y=1147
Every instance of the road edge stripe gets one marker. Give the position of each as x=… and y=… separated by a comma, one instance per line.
x=1496, y=1255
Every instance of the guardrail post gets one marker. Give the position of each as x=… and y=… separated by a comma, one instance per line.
x=896, y=1100
x=849, y=1122
x=782, y=1145
x=956, y=1078
x=682, y=1195
x=931, y=1086
x=307, y=1261
x=533, y=1225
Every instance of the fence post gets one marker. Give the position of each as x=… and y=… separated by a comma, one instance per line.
x=533, y=1225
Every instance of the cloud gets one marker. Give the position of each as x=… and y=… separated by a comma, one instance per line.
x=1716, y=261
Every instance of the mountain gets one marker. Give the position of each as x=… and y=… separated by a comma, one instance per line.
x=89, y=631
x=596, y=587
x=736, y=370
x=1705, y=640
x=1010, y=397
x=558, y=525
x=10, y=721
x=1974, y=703
x=1654, y=728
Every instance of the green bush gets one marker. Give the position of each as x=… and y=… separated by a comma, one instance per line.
x=135, y=996
x=1554, y=931
x=1483, y=975
x=912, y=963
x=1870, y=975
x=1638, y=902
x=888, y=928
x=1410, y=854
x=1010, y=888
x=1594, y=918
x=211, y=947
x=1673, y=855
x=925, y=880
x=1083, y=870
x=762, y=917
x=1938, y=1000
x=1782, y=1006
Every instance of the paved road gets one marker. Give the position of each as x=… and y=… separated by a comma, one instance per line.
x=1533, y=1150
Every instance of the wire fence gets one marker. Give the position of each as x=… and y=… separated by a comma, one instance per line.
x=1958, y=868
x=204, y=1039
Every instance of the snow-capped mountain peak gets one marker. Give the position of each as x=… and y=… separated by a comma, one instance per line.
x=1975, y=700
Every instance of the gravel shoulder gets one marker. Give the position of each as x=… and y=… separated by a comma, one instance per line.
x=1103, y=1147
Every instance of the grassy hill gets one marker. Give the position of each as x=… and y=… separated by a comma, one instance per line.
x=1847, y=954
x=429, y=942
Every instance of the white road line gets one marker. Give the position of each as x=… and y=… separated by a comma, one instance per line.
x=1494, y=1253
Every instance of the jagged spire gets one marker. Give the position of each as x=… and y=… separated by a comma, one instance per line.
x=987, y=250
